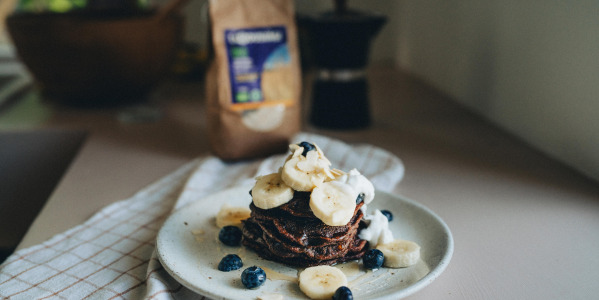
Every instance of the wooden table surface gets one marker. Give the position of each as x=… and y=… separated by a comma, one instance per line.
x=524, y=225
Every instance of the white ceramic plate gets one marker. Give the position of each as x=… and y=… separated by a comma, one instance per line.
x=189, y=250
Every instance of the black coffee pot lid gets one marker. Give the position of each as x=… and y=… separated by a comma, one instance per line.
x=341, y=38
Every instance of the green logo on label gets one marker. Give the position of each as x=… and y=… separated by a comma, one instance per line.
x=242, y=97
x=256, y=95
x=239, y=51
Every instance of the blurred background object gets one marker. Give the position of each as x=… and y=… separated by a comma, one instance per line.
x=338, y=44
x=96, y=53
x=529, y=68
x=62, y=6
x=190, y=62
x=14, y=78
x=6, y=7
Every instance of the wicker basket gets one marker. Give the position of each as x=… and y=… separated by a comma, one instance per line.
x=93, y=60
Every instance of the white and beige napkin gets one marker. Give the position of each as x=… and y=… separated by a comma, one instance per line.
x=112, y=255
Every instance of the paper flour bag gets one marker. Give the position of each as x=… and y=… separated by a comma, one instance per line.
x=253, y=82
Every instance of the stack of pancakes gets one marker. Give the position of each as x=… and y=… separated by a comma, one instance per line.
x=292, y=235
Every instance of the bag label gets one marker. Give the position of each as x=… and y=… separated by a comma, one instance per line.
x=259, y=61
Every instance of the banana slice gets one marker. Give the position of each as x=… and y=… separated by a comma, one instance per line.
x=400, y=253
x=270, y=191
x=304, y=173
x=321, y=282
x=304, y=179
x=295, y=150
x=333, y=203
x=336, y=173
x=321, y=155
x=231, y=215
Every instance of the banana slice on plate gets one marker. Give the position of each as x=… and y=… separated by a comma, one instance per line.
x=304, y=179
x=400, y=253
x=271, y=191
x=333, y=203
x=231, y=215
x=305, y=172
x=321, y=282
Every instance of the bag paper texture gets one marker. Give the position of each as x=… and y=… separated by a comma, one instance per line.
x=253, y=84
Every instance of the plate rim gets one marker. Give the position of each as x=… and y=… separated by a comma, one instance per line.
x=402, y=293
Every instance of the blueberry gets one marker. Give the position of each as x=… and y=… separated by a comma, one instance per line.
x=343, y=293
x=253, y=277
x=387, y=214
x=230, y=262
x=230, y=235
x=373, y=259
x=360, y=198
x=307, y=147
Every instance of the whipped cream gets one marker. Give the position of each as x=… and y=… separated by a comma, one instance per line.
x=377, y=232
x=357, y=184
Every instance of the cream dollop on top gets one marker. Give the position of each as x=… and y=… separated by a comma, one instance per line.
x=357, y=184
x=307, y=171
x=378, y=231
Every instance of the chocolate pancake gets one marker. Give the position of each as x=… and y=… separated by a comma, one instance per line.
x=292, y=235
x=299, y=262
x=302, y=230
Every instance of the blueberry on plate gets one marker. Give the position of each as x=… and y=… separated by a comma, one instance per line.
x=343, y=293
x=230, y=235
x=253, y=277
x=373, y=259
x=230, y=262
x=387, y=214
x=307, y=147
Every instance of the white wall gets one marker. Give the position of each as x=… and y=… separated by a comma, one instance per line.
x=531, y=66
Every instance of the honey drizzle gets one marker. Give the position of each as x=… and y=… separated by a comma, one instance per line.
x=274, y=275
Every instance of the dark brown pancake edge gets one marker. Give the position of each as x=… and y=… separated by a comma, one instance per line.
x=292, y=235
